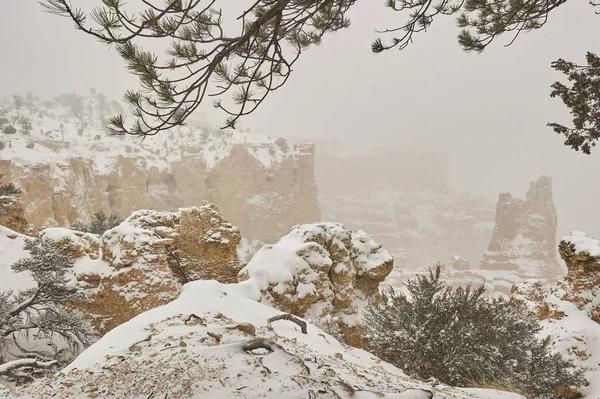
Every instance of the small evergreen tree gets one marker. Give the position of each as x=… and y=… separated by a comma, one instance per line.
x=463, y=338
x=18, y=103
x=8, y=193
x=37, y=335
x=26, y=125
x=99, y=223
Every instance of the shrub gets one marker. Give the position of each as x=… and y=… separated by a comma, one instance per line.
x=463, y=338
x=37, y=335
x=99, y=223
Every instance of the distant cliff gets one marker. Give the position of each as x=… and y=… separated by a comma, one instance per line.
x=264, y=186
x=523, y=244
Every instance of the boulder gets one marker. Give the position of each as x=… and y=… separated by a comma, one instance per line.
x=320, y=270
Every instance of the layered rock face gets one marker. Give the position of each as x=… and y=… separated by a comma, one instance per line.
x=320, y=271
x=523, y=243
x=570, y=309
x=12, y=216
x=262, y=185
x=143, y=262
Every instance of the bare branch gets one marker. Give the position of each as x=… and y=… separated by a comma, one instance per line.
x=288, y=317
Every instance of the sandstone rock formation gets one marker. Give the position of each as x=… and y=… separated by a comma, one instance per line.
x=317, y=271
x=12, y=213
x=12, y=216
x=523, y=244
x=570, y=309
x=263, y=185
x=196, y=243
x=143, y=262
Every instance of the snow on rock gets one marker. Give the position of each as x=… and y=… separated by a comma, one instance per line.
x=12, y=213
x=11, y=250
x=570, y=310
x=140, y=264
x=319, y=270
x=579, y=242
x=68, y=172
x=212, y=342
x=523, y=245
x=197, y=242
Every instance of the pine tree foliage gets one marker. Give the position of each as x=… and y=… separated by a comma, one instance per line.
x=204, y=58
x=99, y=223
x=583, y=99
x=37, y=334
x=238, y=69
x=8, y=193
x=462, y=338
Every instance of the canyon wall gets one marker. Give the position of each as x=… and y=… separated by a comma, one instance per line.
x=262, y=185
x=523, y=245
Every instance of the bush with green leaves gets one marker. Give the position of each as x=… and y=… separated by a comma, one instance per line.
x=462, y=338
x=99, y=223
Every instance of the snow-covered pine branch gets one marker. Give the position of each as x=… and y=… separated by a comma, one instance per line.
x=20, y=363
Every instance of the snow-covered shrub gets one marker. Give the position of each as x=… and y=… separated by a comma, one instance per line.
x=331, y=325
x=462, y=338
x=8, y=193
x=37, y=335
x=99, y=223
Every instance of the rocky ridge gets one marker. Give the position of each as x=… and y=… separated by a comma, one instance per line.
x=68, y=172
x=569, y=310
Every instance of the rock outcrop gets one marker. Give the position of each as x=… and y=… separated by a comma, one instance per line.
x=523, y=244
x=570, y=309
x=213, y=342
x=12, y=216
x=262, y=185
x=142, y=263
x=12, y=213
x=320, y=271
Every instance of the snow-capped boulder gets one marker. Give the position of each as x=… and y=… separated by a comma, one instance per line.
x=570, y=309
x=142, y=263
x=213, y=342
x=523, y=244
x=320, y=270
x=197, y=243
x=81, y=244
x=149, y=255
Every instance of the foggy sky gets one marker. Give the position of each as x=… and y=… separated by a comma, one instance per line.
x=488, y=111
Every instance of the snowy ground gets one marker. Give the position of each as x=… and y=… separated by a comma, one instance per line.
x=56, y=135
x=168, y=351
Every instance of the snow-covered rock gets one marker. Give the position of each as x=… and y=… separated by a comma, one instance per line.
x=213, y=342
x=523, y=245
x=140, y=264
x=320, y=270
x=570, y=310
x=68, y=172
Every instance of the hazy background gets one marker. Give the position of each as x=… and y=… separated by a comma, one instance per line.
x=488, y=111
